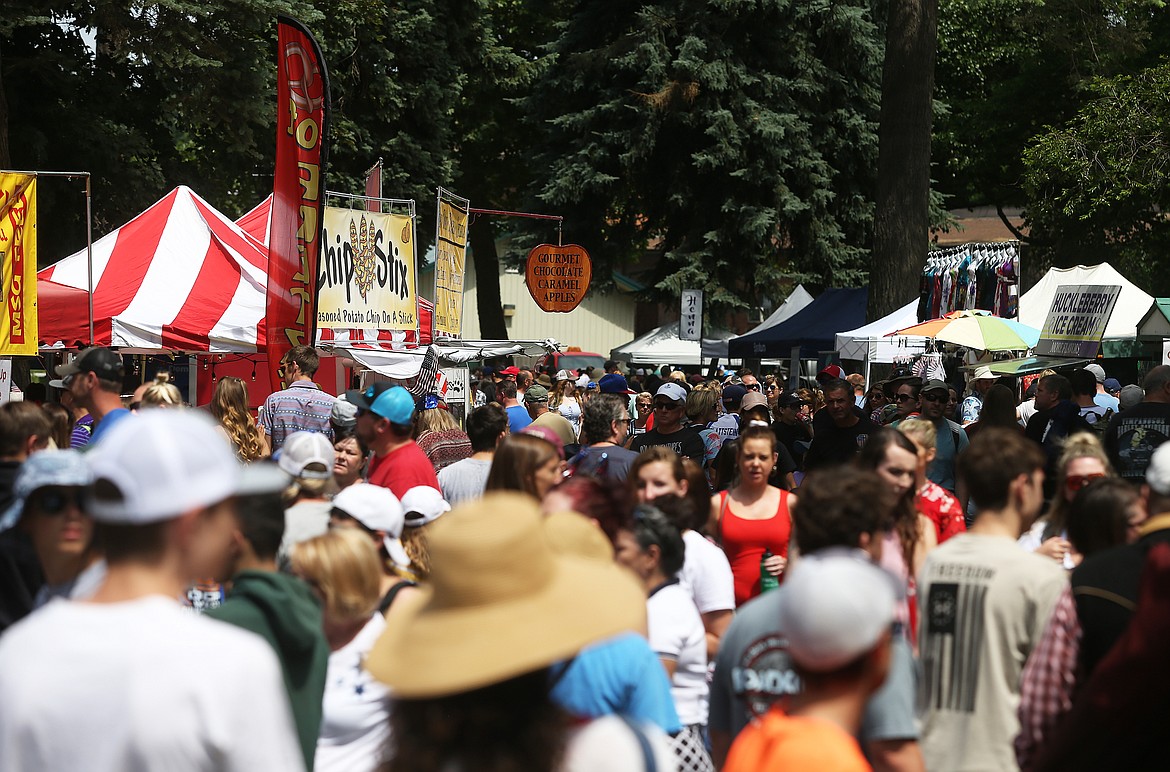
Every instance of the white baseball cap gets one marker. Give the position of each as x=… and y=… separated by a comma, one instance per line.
x=672, y=391
x=161, y=463
x=377, y=509
x=1158, y=471
x=423, y=504
x=835, y=607
x=308, y=455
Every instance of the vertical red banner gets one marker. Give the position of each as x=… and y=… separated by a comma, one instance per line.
x=298, y=188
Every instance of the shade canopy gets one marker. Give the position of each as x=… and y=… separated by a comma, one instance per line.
x=872, y=344
x=979, y=330
x=799, y=298
x=1120, y=338
x=662, y=345
x=179, y=276
x=814, y=328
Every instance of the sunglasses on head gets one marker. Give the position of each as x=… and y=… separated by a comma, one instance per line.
x=55, y=500
x=1074, y=482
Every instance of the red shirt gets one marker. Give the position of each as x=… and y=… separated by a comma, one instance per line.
x=943, y=509
x=403, y=469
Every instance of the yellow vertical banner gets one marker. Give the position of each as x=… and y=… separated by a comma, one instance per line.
x=450, y=266
x=18, y=264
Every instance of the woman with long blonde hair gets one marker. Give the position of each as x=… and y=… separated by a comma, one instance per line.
x=229, y=406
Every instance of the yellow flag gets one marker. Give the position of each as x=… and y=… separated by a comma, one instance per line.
x=18, y=264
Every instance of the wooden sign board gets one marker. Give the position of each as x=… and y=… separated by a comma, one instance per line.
x=558, y=277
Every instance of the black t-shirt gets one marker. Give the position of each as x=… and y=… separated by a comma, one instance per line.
x=1133, y=436
x=685, y=442
x=790, y=434
x=835, y=445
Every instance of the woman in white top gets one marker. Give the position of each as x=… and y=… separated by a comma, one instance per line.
x=658, y=474
x=654, y=551
x=564, y=401
x=343, y=570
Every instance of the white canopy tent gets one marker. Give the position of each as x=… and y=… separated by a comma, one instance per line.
x=1132, y=305
x=795, y=302
x=662, y=345
x=405, y=364
x=869, y=343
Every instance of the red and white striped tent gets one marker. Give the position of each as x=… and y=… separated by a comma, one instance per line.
x=258, y=222
x=179, y=276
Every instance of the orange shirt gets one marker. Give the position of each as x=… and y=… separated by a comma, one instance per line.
x=779, y=741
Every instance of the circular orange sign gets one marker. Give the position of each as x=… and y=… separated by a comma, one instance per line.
x=558, y=277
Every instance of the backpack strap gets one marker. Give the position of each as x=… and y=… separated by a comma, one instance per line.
x=391, y=594
x=648, y=762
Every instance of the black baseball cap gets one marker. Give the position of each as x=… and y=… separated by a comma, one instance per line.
x=102, y=362
x=789, y=400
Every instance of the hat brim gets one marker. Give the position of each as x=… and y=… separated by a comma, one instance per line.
x=433, y=652
x=618, y=391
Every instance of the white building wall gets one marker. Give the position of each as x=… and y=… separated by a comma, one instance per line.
x=600, y=323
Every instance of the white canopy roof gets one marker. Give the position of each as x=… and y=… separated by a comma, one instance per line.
x=869, y=343
x=1131, y=307
x=663, y=346
x=800, y=297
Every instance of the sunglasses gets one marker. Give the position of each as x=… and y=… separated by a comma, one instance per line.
x=905, y=398
x=932, y=397
x=55, y=500
x=666, y=406
x=753, y=387
x=1074, y=482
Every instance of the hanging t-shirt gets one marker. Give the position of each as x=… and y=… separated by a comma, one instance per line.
x=140, y=685
x=676, y=633
x=983, y=605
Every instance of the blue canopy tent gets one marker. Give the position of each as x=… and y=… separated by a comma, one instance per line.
x=814, y=328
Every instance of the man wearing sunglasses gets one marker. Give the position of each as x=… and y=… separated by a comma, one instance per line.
x=669, y=414
x=94, y=380
x=302, y=406
x=951, y=439
x=385, y=422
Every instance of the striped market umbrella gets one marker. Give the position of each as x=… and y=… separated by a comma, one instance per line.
x=976, y=329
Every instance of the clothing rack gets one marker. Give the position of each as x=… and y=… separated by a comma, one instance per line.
x=971, y=276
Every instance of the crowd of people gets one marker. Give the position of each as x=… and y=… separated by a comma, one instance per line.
x=603, y=570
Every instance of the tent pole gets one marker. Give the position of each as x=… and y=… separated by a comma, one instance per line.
x=89, y=252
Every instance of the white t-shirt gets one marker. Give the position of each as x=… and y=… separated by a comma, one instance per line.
x=609, y=743
x=706, y=574
x=464, y=480
x=982, y=604
x=676, y=632
x=355, y=720
x=139, y=686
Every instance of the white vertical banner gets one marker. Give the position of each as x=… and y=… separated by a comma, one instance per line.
x=457, y=378
x=5, y=380
x=690, y=324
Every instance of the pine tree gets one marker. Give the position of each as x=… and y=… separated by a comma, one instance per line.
x=734, y=141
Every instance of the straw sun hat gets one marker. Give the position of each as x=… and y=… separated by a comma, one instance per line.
x=501, y=603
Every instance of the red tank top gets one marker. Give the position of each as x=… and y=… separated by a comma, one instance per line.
x=744, y=542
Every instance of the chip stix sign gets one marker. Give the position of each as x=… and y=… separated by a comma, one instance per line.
x=367, y=277
x=1077, y=320
x=558, y=277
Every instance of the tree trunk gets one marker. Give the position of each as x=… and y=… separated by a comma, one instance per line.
x=487, y=281
x=901, y=219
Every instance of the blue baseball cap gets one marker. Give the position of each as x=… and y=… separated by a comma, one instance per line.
x=614, y=383
x=393, y=403
x=65, y=468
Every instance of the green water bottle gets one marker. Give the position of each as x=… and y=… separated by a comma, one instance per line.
x=767, y=580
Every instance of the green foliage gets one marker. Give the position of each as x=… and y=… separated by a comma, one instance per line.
x=1100, y=185
x=741, y=156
